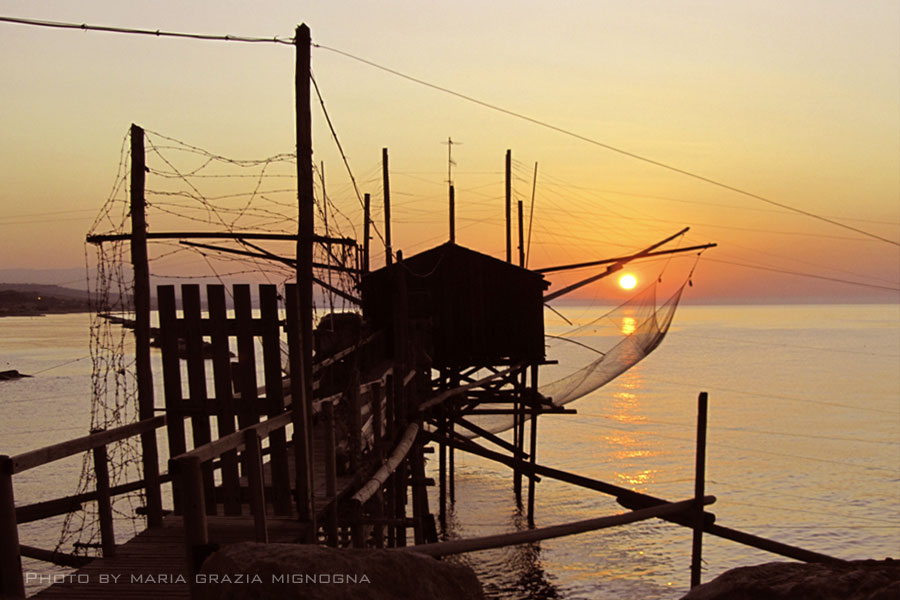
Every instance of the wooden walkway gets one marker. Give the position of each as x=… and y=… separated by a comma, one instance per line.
x=153, y=564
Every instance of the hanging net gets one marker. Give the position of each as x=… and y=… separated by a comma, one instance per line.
x=627, y=333
x=592, y=354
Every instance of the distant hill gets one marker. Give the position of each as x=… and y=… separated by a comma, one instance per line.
x=22, y=299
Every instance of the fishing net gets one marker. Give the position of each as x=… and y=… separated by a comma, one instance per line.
x=627, y=333
x=188, y=189
x=592, y=354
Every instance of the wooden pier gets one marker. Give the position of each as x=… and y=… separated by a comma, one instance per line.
x=319, y=436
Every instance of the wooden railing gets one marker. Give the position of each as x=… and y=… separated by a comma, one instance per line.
x=187, y=469
x=11, y=581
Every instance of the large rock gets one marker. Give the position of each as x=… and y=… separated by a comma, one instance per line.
x=249, y=570
x=852, y=580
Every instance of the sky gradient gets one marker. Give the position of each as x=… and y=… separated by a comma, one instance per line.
x=798, y=102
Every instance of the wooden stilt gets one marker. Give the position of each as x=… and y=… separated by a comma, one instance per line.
x=442, y=471
x=535, y=411
x=699, y=491
x=330, y=474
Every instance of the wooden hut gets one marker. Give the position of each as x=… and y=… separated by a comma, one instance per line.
x=464, y=308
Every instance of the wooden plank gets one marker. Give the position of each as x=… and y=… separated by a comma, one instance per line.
x=246, y=356
x=225, y=416
x=48, y=454
x=256, y=483
x=302, y=411
x=171, y=379
x=281, y=487
x=197, y=397
x=236, y=440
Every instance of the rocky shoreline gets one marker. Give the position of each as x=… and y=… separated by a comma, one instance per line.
x=850, y=580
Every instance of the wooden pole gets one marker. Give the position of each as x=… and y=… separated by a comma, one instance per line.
x=302, y=414
x=521, y=236
x=256, y=484
x=104, y=501
x=11, y=582
x=330, y=473
x=367, y=219
x=531, y=215
x=143, y=370
x=534, y=421
x=508, y=206
x=305, y=201
x=452, y=215
x=442, y=470
x=196, y=530
x=385, y=175
x=699, y=490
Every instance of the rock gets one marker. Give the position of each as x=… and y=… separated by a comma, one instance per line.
x=12, y=374
x=293, y=571
x=852, y=580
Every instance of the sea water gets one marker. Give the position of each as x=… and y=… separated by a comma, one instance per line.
x=803, y=448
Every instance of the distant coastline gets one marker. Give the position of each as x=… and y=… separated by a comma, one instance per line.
x=36, y=300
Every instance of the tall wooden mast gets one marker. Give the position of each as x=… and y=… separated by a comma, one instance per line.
x=304, y=267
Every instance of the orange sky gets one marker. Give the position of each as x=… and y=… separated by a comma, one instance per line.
x=797, y=102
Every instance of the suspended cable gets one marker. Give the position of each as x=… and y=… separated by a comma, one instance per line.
x=153, y=32
x=609, y=147
x=341, y=150
x=810, y=275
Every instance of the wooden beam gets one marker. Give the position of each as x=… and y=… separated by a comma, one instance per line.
x=606, y=261
x=219, y=235
x=42, y=456
x=529, y=536
x=378, y=479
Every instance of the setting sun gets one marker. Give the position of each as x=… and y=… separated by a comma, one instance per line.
x=627, y=281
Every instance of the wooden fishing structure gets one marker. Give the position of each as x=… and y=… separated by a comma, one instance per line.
x=330, y=447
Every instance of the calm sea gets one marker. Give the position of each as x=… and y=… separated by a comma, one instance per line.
x=804, y=447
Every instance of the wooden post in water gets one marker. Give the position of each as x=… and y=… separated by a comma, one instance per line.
x=385, y=176
x=508, y=206
x=534, y=420
x=442, y=469
x=699, y=490
x=11, y=582
x=143, y=371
